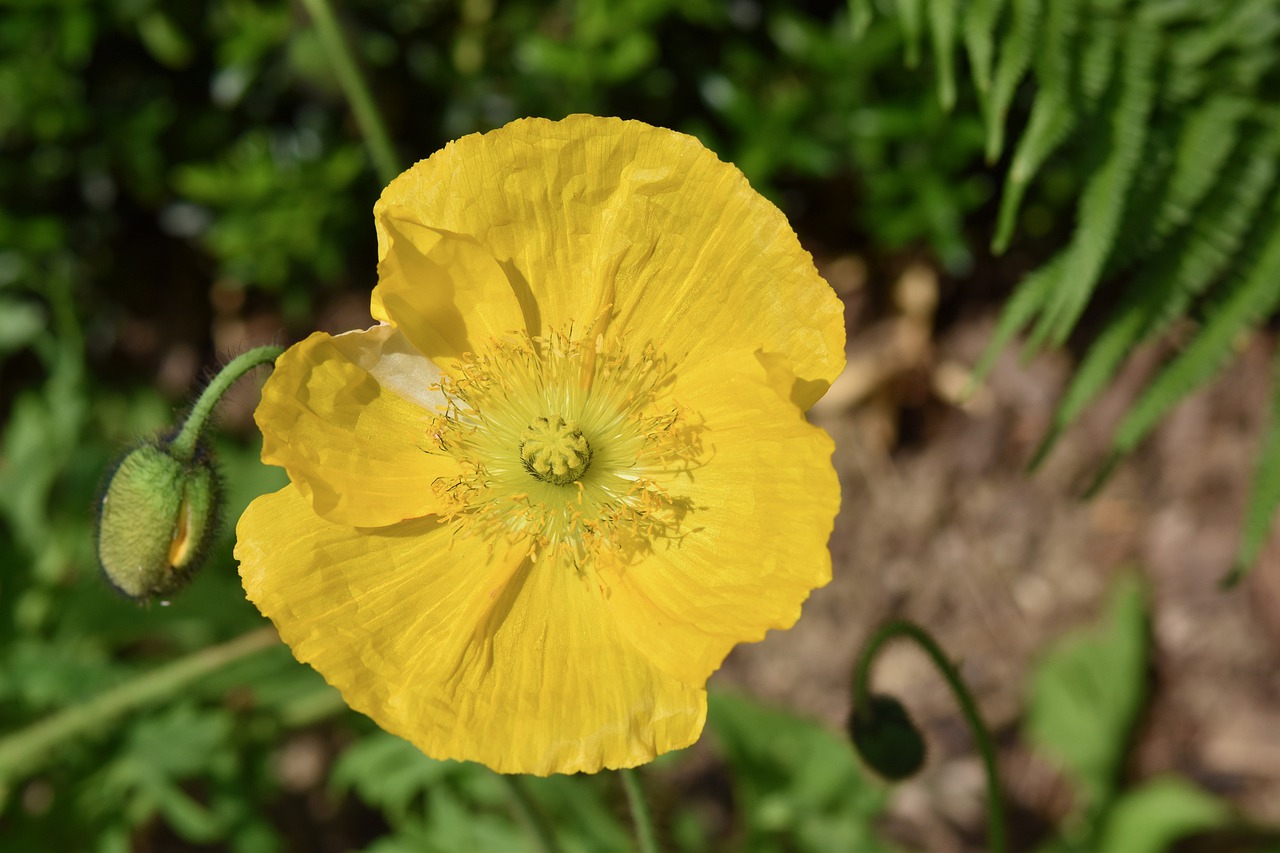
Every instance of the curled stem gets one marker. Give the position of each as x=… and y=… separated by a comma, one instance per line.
x=646, y=839
x=27, y=750
x=376, y=139
x=184, y=444
x=866, y=705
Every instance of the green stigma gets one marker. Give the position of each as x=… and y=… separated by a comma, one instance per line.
x=555, y=450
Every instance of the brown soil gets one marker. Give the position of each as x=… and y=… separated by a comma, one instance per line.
x=941, y=524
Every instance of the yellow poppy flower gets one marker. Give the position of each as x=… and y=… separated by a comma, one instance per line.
x=532, y=511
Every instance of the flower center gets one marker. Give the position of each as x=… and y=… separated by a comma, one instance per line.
x=555, y=450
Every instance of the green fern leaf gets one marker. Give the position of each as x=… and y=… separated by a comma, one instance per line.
x=1052, y=114
x=1098, y=58
x=1015, y=58
x=912, y=27
x=1248, y=297
x=979, y=41
x=942, y=28
x=1264, y=497
x=1027, y=300
x=1208, y=137
x=1051, y=120
x=1105, y=194
x=1167, y=285
x=1244, y=22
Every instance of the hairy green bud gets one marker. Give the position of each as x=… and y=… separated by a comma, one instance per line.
x=156, y=519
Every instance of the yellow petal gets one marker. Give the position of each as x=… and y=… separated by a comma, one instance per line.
x=594, y=211
x=347, y=417
x=467, y=652
x=444, y=291
x=763, y=506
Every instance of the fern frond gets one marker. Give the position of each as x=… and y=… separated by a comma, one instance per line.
x=1051, y=120
x=942, y=29
x=912, y=28
x=1026, y=301
x=979, y=42
x=1015, y=58
x=1264, y=496
x=1098, y=58
x=1247, y=298
x=1105, y=194
x=1208, y=135
x=1052, y=114
x=1245, y=22
x=1166, y=287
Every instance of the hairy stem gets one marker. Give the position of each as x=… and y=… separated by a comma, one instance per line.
x=184, y=445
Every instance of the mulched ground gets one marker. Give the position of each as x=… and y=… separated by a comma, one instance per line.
x=940, y=523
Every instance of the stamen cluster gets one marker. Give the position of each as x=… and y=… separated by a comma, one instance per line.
x=575, y=445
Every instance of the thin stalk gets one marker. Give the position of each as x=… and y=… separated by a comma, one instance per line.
x=529, y=815
x=374, y=130
x=184, y=445
x=900, y=628
x=646, y=839
x=27, y=750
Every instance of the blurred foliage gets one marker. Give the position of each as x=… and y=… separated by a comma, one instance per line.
x=1167, y=115
x=157, y=156
x=1086, y=695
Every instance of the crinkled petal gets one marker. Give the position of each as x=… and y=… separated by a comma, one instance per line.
x=466, y=652
x=594, y=212
x=755, y=538
x=348, y=417
x=444, y=291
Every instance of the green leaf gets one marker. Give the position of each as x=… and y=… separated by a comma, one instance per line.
x=1250, y=295
x=1053, y=114
x=1086, y=693
x=1015, y=58
x=388, y=772
x=799, y=785
x=1208, y=136
x=909, y=13
x=1165, y=287
x=1030, y=296
x=1151, y=818
x=1105, y=194
x=861, y=12
x=21, y=322
x=942, y=29
x=980, y=21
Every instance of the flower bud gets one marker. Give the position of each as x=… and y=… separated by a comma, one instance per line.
x=156, y=519
x=887, y=739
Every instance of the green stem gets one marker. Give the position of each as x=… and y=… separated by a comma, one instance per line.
x=25, y=751
x=376, y=139
x=184, y=445
x=900, y=628
x=646, y=840
x=529, y=815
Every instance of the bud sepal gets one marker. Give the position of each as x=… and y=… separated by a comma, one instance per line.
x=157, y=517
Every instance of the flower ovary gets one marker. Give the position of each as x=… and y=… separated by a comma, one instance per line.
x=555, y=450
